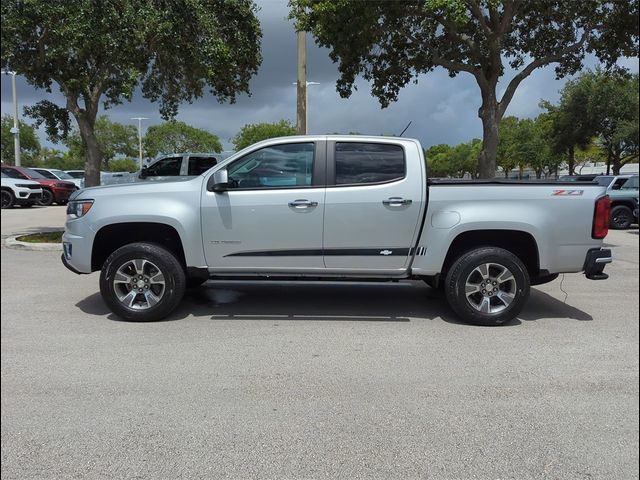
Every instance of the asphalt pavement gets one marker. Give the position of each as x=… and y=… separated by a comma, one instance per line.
x=315, y=380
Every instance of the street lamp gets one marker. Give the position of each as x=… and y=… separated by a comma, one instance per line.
x=305, y=107
x=140, y=137
x=16, y=127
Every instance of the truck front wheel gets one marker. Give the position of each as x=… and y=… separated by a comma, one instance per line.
x=487, y=286
x=142, y=282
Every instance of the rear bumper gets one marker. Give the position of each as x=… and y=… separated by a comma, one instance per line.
x=595, y=262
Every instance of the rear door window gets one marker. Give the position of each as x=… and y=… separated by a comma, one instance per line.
x=368, y=163
x=199, y=165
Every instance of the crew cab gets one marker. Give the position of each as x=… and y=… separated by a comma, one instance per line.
x=335, y=208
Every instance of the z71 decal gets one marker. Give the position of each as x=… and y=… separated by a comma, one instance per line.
x=567, y=193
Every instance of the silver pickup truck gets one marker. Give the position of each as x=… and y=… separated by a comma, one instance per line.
x=335, y=208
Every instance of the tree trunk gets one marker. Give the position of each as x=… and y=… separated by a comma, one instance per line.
x=490, y=117
x=94, y=157
x=617, y=165
x=572, y=159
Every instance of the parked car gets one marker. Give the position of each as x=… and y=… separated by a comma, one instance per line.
x=577, y=178
x=335, y=208
x=52, y=190
x=623, y=204
x=19, y=192
x=612, y=182
x=56, y=174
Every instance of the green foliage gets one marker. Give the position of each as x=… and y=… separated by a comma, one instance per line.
x=391, y=43
x=445, y=161
x=123, y=165
x=178, y=137
x=250, y=134
x=29, y=143
x=97, y=51
x=51, y=158
x=602, y=104
x=114, y=140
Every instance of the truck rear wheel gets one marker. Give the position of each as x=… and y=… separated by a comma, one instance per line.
x=142, y=282
x=487, y=286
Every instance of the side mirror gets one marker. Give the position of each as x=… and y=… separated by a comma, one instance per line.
x=143, y=173
x=219, y=181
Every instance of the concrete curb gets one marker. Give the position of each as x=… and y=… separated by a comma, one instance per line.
x=12, y=242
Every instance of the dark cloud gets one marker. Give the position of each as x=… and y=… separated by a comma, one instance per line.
x=441, y=109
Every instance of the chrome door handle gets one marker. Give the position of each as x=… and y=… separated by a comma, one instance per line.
x=396, y=202
x=302, y=204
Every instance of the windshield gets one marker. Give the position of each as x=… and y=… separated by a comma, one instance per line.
x=604, y=181
x=75, y=174
x=11, y=173
x=631, y=184
x=34, y=174
x=46, y=174
x=62, y=175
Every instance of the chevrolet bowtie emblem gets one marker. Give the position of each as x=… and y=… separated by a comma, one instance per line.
x=386, y=252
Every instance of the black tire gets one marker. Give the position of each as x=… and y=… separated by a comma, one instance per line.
x=195, y=282
x=173, y=282
x=62, y=202
x=469, y=267
x=621, y=217
x=47, y=198
x=8, y=199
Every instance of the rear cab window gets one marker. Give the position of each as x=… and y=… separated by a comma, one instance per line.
x=360, y=163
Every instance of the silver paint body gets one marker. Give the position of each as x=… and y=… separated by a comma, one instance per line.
x=216, y=229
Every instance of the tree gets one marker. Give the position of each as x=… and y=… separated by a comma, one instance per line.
x=174, y=137
x=250, y=134
x=506, y=156
x=390, y=43
x=114, y=140
x=124, y=165
x=29, y=143
x=614, y=107
x=96, y=50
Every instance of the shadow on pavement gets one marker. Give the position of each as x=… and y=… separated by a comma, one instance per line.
x=318, y=301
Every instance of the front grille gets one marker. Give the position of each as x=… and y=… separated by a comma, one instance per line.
x=32, y=187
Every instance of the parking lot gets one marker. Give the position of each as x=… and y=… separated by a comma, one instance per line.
x=338, y=380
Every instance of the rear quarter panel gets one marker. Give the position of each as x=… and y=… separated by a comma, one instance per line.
x=559, y=223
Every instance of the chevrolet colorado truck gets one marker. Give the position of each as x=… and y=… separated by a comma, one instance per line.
x=335, y=208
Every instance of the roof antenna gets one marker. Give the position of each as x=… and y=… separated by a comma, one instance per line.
x=405, y=129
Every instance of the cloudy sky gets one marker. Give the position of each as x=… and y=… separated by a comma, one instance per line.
x=441, y=109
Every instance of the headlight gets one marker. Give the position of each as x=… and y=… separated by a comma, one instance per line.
x=62, y=185
x=79, y=208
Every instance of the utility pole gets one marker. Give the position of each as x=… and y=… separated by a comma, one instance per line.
x=140, y=137
x=16, y=126
x=301, y=116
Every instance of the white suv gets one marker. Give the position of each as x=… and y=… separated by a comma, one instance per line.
x=19, y=192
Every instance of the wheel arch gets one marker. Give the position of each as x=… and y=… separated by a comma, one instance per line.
x=522, y=244
x=111, y=237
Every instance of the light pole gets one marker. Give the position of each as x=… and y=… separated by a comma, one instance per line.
x=140, y=137
x=16, y=127
x=303, y=113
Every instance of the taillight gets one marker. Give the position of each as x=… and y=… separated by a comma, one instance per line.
x=601, y=218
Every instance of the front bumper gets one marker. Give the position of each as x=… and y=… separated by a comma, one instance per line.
x=594, y=263
x=69, y=266
x=62, y=194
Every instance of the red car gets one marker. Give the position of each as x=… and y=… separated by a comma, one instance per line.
x=52, y=190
